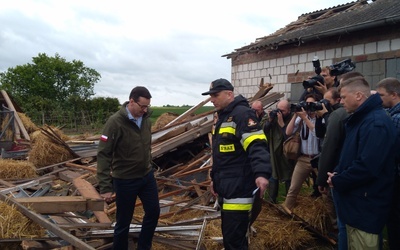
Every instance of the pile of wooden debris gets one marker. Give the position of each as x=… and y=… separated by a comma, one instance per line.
x=49, y=198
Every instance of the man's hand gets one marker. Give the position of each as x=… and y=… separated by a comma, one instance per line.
x=322, y=190
x=321, y=88
x=281, y=123
x=329, y=181
x=107, y=197
x=262, y=183
x=212, y=189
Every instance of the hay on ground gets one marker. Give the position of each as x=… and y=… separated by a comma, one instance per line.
x=13, y=169
x=16, y=225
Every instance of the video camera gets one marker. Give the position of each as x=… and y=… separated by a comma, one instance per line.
x=310, y=83
x=342, y=67
x=310, y=106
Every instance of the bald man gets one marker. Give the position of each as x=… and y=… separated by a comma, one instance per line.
x=274, y=128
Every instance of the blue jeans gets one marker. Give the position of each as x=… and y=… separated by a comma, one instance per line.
x=127, y=190
x=342, y=232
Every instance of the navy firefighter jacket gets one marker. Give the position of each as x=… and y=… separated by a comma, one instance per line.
x=239, y=151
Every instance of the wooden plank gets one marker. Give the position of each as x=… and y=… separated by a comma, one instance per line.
x=163, y=147
x=46, y=224
x=18, y=120
x=40, y=245
x=189, y=112
x=202, y=159
x=173, y=133
x=68, y=175
x=61, y=204
x=88, y=191
x=77, y=166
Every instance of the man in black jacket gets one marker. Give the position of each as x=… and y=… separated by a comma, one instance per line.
x=241, y=166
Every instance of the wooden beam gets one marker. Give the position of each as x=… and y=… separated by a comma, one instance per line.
x=88, y=191
x=61, y=204
x=18, y=120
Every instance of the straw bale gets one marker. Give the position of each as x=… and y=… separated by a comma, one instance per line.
x=13, y=169
x=8, y=135
x=45, y=153
x=163, y=120
x=27, y=122
x=16, y=225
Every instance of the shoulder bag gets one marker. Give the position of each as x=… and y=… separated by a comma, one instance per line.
x=292, y=145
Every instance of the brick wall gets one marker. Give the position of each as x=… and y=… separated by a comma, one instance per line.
x=291, y=64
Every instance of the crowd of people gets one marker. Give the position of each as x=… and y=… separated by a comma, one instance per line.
x=349, y=147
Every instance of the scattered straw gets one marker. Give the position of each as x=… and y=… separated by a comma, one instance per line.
x=13, y=169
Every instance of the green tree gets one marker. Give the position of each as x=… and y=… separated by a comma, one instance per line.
x=50, y=83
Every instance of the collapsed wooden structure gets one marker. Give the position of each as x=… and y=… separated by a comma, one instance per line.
x=75, y=216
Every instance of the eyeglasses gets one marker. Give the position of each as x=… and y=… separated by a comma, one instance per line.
x=143, y=107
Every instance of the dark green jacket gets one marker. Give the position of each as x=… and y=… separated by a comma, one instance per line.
x=124, y=150
x=282, y=168
x=332, y=145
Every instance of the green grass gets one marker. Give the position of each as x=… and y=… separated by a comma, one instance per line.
x=157, y=111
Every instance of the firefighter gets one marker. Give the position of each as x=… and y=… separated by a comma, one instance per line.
x=241, y=164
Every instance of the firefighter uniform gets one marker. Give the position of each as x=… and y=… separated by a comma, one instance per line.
x=239, y=156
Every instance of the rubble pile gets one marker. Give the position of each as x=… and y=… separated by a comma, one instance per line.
x=54, y=189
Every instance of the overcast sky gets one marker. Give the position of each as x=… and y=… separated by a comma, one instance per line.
x=173, y=47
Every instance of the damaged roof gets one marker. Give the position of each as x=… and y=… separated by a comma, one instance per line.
x=341, y=19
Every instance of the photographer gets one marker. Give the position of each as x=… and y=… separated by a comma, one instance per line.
x=319, y=84
x=275, y=124
x=305, y=119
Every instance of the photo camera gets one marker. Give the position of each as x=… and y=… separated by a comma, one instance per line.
x=310, y=106
x=310, y=83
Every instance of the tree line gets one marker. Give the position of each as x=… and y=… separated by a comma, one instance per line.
x=52, y=85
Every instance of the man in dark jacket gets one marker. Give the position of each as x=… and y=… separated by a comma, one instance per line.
x=329, y=156
x=241, y=166
x=363, y=179
x=389, y=90
x=124, y=167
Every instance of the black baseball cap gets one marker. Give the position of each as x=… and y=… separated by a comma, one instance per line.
x=219, y=85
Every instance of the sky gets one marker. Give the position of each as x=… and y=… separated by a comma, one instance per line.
x=172, y=47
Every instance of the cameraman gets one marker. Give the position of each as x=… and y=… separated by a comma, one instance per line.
x=275, y=124
x=329, y=81
x=319, y=88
